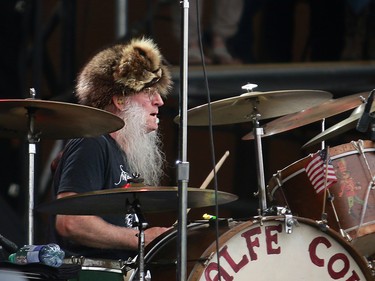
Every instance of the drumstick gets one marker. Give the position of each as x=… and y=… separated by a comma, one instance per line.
x=211, y=175
x=217, y=167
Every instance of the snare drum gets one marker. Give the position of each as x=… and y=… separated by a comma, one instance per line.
x=98, y=269
x=291, y=187
x=258, y=251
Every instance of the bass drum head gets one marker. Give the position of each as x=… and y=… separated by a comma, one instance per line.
x=264, y=252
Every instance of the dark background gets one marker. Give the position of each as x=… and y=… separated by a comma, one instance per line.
x=314, y=45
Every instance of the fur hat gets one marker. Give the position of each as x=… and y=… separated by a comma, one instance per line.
x=123, y=69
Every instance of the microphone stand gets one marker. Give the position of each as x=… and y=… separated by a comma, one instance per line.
x=182, y=164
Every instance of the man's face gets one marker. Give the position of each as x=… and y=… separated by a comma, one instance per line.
x=150, y=100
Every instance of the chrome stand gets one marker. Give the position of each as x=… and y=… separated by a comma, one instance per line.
x=32, y=138
x=258, y=133
x=141, y=223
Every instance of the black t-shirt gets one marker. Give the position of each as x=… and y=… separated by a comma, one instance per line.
x=92, y=164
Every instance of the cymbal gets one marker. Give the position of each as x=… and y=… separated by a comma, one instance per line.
x=55, y=120
x=240, y=109
x=311, y=115
x=339, y=128
x=113, y=201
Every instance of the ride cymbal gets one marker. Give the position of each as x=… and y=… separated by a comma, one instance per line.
x=241, y=108
x=115, y=201
x=54, y=120
x=311, y=115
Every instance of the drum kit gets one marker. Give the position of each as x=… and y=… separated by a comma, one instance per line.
x=292, y=239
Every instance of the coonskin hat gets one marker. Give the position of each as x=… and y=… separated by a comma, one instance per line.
x=123, y=69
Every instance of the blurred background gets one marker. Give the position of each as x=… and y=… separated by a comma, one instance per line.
x=278, y=45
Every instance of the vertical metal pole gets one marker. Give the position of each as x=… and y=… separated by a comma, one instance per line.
x=32, y=152
x=182, y=164
x=260, y=168
x=121, y=11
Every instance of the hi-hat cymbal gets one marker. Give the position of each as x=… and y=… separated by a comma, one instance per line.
x=240, y=109
x=54, y=120
x=339, y=128
x=114, y=201
x=311, y=115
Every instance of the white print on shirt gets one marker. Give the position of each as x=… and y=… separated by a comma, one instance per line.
x=124, y=176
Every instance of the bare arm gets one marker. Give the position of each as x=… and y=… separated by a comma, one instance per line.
x=93, y=231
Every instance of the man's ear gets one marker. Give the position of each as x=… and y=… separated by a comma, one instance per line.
x=119, y=102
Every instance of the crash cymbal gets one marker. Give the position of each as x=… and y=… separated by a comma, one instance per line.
x=54, y=120
x=311, y=115
x=339, y=128
x=114, y=201
x=240, y=109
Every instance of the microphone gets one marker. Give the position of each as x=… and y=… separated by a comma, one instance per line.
x=366, y=117
x=8, y=245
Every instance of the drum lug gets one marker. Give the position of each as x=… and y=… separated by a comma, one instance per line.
x=290, y=221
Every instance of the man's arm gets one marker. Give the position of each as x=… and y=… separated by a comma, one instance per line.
x=93, y=231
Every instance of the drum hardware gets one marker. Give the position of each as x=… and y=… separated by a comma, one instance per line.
x=276, y=211
x=289, y=220
x=139, y=221
x=324, y=222
x=259, y=156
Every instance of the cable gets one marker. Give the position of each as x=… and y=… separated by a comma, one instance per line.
x=212, y=145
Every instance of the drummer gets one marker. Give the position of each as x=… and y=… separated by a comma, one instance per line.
x=129, y=80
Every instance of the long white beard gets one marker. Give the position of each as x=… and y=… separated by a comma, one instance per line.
x=143, y=149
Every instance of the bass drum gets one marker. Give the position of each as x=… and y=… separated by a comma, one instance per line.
x=258, y=251
x=264, y=251
x=290, y=187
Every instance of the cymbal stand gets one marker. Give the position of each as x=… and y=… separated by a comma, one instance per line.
x=258, y=132
x=32, y=138
x=141, y=223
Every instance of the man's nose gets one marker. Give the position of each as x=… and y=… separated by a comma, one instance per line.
x=157, y=100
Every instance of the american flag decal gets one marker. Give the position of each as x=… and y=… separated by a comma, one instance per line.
x=316, y=171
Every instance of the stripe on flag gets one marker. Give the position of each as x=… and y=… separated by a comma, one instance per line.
x=316, y=171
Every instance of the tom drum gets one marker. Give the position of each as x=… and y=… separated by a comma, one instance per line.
x=353, y=197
